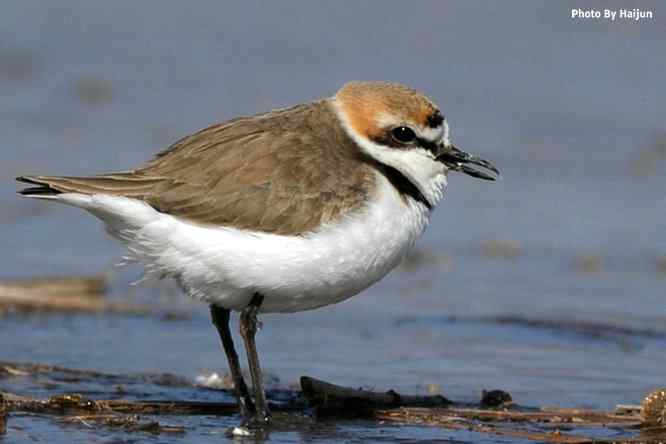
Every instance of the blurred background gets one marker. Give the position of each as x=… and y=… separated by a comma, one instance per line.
x=549, y=284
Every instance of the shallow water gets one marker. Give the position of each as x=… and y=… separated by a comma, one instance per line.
x=549, y=284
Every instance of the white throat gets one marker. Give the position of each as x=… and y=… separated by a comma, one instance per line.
x=416, y=164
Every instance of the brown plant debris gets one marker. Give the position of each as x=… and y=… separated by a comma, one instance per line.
x=91, y=286
x=129, y=423
x=500, y=248
x=3, y=415
x=653, y=408
x=71, y=294
x=73, y=404
x=55, y=373
x=628, y=424
x=589, y=263
x=539, y=426
x=661, y=264
x=93, y=91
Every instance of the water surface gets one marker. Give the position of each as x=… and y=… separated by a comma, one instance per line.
x=549, y=284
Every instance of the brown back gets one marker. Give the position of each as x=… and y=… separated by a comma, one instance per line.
x=283, y=172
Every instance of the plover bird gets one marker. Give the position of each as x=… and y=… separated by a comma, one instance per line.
x=285, y=211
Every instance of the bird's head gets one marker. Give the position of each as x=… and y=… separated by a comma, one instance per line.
x=402, y=128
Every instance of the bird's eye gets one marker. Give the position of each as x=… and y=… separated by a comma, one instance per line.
x=403, y=134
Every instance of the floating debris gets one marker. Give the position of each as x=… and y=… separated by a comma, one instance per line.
x=433, y=389
x=661, y=264
x=419, y=259
x=70, y=294
x=55, y=373
x=650, y=158
x=129, y=423
x=92, y=91
x=89, y=286
x=3, y=415
x=496, y=398
x=653, y=408
x=590, y=263
x=333, y=401
x=500, y=248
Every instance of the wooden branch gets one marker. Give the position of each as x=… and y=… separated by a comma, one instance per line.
x=333, y=400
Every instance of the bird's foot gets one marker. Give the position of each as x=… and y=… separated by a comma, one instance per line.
x=257, y=421
x=256, y=425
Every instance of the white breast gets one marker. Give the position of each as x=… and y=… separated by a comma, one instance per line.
x=227, y=266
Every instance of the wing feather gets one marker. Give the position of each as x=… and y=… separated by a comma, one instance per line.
x=277, y=173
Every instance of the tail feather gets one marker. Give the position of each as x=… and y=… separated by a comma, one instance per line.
x=42, y=190
x=119, y=184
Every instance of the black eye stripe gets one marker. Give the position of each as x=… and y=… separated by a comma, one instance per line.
x=386, y=139
x=433, y=147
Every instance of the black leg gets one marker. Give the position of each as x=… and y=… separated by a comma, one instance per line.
x=248, y=330
x=220, y=318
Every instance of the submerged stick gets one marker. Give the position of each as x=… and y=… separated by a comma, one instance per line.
x=334, y=400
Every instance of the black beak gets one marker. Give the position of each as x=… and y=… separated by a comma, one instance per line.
x=469, y=164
